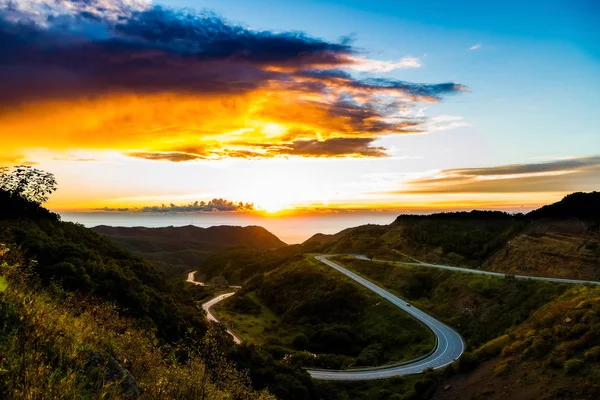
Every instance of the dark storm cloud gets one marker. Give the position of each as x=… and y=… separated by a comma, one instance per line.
x=92, y=51
x=88, y=56
x=335, y=147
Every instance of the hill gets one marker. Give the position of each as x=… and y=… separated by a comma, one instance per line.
x=319, y=240
x=54, y=344
x=557, y=240
x=181, y=249
x=554, y=354
x=561, y=240
x=82, y=318
x=579, y=205
x=451, y=238
x=215, y=236
x=303, y=306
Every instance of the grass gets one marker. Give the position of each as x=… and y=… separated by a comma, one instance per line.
x=311, y=302
x=262, y=329
x=57, y=345
x=3, y=284
x=480, y=307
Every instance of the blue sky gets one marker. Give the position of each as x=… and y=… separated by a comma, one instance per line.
x=534, y=80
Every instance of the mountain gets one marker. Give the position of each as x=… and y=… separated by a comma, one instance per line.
x=215, y=236
x=556, y=240
x=180, y=249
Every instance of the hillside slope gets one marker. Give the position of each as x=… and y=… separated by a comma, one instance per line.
x=57, y=345
x=304, y=306
x=461, y=238
x=557, y=240
x=551, y=247
x=318, y=240
x=180, y=249
x=554, y=354
x=561, y=240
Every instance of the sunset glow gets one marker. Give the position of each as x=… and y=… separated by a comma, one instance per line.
x=140, y=104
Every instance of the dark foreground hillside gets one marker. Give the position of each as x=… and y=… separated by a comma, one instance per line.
x=55, y=344
x=80, y=318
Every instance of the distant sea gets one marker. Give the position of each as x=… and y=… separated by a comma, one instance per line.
x=290, y=229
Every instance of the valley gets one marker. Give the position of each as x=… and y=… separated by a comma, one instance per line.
x=298, y=314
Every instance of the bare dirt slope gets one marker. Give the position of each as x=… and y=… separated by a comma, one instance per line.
x=554, y=248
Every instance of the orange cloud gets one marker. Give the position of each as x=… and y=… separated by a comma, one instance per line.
x=164, y=84
x=563, y=175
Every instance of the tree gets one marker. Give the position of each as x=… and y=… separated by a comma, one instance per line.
x=29, y=183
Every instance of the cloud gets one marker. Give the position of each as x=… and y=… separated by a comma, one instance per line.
x=165, y=156
x=562, y=175
x=74, y=158
x=445, y=122
x=335, y=147
x=112, y=209
x=213, y=205
x=148, y=81
x=475, y=47
x=365, y=65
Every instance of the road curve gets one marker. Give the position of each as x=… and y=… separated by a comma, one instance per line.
x=450, y=345
x=206, y=307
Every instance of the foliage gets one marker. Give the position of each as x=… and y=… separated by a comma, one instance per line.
x=583, y=206
x=59, y=345
x=27, y=182
x=454, y=238
x=79, y=259
x=320, y=311
x=480, y=307
x=182, y=249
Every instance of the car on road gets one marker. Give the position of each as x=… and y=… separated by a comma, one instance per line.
x=408, y=304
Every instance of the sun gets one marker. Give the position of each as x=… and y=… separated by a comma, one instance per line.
x=273, y=206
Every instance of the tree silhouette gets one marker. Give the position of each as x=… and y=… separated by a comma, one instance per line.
x=29, y=183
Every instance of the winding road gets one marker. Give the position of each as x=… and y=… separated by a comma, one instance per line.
x=206, y=307
x=448, y=348
x=449, y=344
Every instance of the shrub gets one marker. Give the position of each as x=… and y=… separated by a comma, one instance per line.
x=593, y=354
x=573, y=365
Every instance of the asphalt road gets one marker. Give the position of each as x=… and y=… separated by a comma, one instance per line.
x=450, y=345
x=482, y=272
x=206, y=307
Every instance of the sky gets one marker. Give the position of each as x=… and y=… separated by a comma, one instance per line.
x=311, y=106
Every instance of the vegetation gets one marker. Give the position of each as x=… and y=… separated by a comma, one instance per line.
x=181, y=249
x=304, y=306
x=240, y=264
x=480, y=307
x=552, y=355
x=55, y=344
x=459, y=238
x=68, y=267
x=583, y=206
